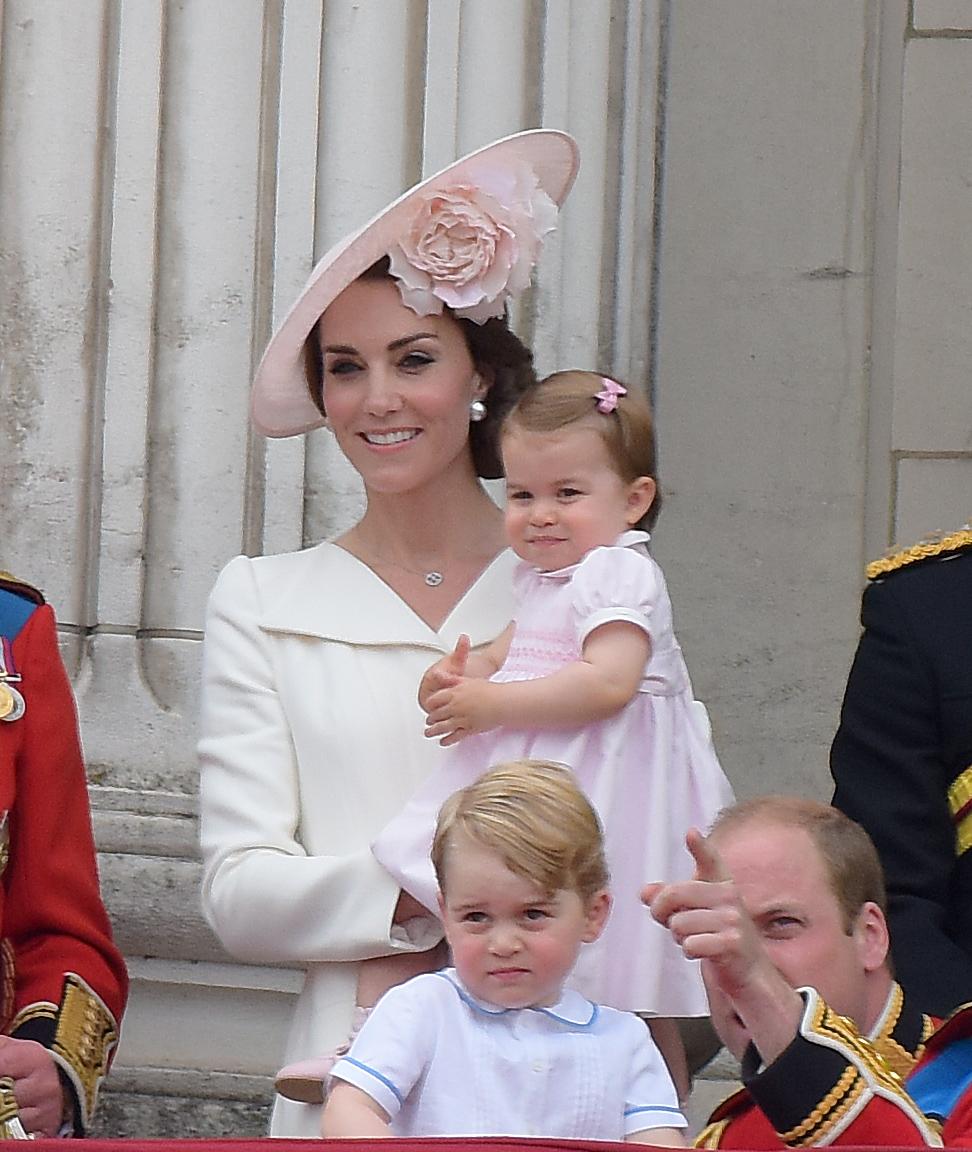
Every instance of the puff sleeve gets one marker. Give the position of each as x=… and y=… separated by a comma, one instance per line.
x=615, y=584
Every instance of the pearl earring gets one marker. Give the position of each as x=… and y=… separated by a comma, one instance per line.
x=477, y=411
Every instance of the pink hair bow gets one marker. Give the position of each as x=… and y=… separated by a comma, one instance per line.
x=607, y=398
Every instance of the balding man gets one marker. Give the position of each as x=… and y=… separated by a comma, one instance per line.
x=787, y=916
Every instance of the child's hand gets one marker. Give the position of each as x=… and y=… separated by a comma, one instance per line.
x=445, y=672
x=464, y=707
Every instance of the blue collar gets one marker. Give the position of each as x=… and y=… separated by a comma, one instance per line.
x=571, y=1009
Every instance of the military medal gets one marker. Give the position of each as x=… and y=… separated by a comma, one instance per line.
x=12, y=703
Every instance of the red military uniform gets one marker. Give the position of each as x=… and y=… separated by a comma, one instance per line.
x=942, y=1082
x=63, y=982
x=830, y=1086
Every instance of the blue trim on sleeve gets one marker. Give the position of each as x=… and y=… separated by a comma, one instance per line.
x=378, y=1076
x=15, y=611
x=654, y=1108
x=938, y=1086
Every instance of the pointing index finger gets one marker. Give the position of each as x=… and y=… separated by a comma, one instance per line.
x=708, y=862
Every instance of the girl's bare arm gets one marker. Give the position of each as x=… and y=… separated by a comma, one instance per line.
x=596, y=686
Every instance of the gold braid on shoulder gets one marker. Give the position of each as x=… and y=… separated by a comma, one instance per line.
x=926, y=549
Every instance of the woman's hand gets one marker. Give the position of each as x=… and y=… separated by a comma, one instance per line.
x=408, y=908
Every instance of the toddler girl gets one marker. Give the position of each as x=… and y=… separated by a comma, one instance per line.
x=589, y=674
x=495, y=1046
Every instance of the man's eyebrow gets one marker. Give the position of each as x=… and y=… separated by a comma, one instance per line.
x=777, y=909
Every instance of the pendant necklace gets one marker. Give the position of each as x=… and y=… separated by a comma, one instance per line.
x=433, y=577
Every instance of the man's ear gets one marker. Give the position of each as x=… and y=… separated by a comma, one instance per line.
x=872, y=934
x=641, y=496
x=596, y=915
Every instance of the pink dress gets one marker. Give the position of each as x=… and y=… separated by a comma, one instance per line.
x=650, y=771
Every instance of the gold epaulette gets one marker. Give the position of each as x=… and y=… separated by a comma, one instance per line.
x=21, y=587
x=927, y=549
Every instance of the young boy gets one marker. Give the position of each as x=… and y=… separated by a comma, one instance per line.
x=495, y=1045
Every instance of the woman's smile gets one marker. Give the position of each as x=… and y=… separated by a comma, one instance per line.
x=391, y=438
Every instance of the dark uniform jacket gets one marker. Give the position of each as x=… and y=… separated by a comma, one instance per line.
x=62, y=980
x=902, y=760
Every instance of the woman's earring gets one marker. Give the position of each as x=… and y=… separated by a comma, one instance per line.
x=477, y=411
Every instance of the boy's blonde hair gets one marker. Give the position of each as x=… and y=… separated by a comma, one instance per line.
x=536, y=818
x=628, y=431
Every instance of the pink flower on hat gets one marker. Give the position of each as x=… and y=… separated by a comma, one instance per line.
x=473, y=244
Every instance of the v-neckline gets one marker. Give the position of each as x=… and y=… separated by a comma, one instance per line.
x=443, y=624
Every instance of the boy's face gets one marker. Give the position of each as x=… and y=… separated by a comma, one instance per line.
x=512, y=945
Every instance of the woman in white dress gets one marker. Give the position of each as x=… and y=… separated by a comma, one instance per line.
x=312, y=737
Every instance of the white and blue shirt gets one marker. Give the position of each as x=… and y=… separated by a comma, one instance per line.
x=442, y=1063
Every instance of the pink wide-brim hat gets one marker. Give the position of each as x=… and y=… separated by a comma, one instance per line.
x=280, y=400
